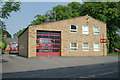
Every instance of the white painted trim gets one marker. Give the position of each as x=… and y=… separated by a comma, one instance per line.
x=76, y=28
x=94, y=46
x=82, y=29
x=88, y=46
x=98, y=31
x=74, y=47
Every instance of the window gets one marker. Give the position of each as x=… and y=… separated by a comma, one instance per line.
x=96, y=30
x=85, y=29
x=96, y=47
x=73, y=46
x=57, y=41
x=73, y=28
x=14, y=45
x=85, y=46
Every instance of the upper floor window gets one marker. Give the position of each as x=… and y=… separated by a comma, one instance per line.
x=85, y=46
x=96, y=46
x=85, y=29
x=73, y=46
x=73, y=28
x=96, y=30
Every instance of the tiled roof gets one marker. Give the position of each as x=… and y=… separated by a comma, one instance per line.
x=9, y=40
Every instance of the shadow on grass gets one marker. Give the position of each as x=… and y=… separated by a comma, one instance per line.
x=103, y=70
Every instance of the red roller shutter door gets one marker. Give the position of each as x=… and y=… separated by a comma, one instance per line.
x=48, y=44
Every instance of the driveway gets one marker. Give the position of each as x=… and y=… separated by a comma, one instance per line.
x=60, y=67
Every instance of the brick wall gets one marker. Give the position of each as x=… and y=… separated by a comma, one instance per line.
x=67, y=37
x=23, y=44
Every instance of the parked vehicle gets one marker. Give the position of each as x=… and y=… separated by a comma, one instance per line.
x=14, y=48
x=44, y=45
x=116, y=50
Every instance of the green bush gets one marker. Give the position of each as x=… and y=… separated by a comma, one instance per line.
x=113, y=54
x=0, y=45
x=4, y=44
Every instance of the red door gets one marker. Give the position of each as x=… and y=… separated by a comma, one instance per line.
x=48, y=44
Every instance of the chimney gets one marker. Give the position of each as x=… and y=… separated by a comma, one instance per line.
x=5, y=36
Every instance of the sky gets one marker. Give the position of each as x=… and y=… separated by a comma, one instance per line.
x=21, y=19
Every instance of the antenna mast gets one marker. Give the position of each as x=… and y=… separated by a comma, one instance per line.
x=51, y=17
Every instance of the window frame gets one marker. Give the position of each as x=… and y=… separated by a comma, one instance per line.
x=97, y=48
x=83, y=31
x=96, y=31
x=83, y=46
x=74, y=47
x=72, y=29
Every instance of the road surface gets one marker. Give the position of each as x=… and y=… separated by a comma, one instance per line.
x=60, y=67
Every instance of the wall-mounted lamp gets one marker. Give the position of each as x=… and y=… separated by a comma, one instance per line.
x=87, y=20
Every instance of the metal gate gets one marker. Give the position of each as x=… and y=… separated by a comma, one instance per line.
x=48, y=43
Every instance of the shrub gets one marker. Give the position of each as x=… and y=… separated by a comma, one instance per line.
x=4, y=44
x=0, y=45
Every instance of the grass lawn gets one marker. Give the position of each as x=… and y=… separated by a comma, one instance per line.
x=113, y=54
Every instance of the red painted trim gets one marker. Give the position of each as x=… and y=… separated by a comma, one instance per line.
x=47, y=54
x=49, y=39
x=47, y=48
x=60, y=43
x=47, y=35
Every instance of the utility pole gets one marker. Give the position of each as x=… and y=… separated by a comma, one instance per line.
x=103, y=45
x=51, y=16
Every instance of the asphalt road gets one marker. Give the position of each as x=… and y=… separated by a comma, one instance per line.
x=59, y=67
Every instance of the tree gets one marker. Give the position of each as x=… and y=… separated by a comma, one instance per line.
x=7, y=8
x=2, y=24
x=100, y=0
x=117, y=41
x=39, y=20
x=75, y=7
x=4, y=44
x=107, y=12
x=7, y=33
x=18, y=33
x=62, y=12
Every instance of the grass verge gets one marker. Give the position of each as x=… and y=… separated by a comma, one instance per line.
x=113, y=54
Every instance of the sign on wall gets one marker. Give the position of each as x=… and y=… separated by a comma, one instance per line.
x=103, y=40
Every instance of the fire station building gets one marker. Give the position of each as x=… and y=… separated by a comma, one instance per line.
x=80, y=36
